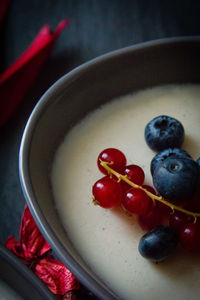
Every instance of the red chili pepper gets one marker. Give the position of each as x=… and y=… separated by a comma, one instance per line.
x=35, y=252
x=17, y=79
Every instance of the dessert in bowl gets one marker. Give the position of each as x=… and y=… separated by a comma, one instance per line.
x=57, y=172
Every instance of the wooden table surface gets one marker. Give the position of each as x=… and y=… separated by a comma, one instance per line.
x=96, y=27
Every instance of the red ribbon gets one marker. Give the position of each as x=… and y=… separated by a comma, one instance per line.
x=32, y=249
x=17, y=79
x=35, y=252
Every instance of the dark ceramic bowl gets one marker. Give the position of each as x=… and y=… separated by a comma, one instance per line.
x=20, y=279
x=166, y=61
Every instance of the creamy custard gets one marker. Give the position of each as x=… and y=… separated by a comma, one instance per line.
x=108, y=239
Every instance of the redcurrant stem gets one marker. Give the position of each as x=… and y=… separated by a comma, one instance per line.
x=106, y=166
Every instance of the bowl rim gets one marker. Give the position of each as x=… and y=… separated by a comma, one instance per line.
x=84, y=277
x=27, y=274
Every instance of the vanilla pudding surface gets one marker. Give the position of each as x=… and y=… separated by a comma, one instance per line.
x=108, y=239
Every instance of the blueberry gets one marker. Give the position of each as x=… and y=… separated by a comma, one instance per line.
x=170, y=152
x=158, y=243
x=198, y=161
x=176, y=178
x=164, y=132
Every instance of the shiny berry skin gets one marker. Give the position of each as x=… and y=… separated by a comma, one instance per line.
x=194, y=204
x=151, y=219
x=176, y=178
x=107, y=192
x=164, y=209
x=149, y=189
x=112, y=155
x=164, y=132
x=190, y=237
x=154, y=216
x=177, y=221
x=158, y=243
x=136, y=202
x=135, y=174
x=162, y=155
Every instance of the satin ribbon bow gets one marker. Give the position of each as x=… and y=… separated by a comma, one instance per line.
x=35, y=252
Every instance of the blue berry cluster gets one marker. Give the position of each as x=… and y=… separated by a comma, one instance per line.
x=175, y=173
x=176, y=177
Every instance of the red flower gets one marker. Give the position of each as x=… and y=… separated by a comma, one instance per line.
x=35, y=252
x=17, y=79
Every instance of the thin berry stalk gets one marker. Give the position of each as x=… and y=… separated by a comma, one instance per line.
x=154, y=198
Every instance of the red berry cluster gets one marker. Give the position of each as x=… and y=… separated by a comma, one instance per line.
x=109, y=192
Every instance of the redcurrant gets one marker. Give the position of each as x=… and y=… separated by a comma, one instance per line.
x=149, y=188
x=114, y=156
x=151, y=219
x=190, y=237
x=177, y=221
x=136, y=202
x=135, y=174
x=107, y=192
x=194, y=203
x=164, y=209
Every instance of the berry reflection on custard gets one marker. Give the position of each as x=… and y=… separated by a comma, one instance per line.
x=175, y=177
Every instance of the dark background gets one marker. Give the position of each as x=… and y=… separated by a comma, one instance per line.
x=96, y=27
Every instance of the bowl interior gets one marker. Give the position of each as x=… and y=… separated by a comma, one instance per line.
x=70, y=99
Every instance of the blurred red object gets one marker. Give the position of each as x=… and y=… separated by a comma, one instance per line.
x=4, y=4
x=35, y=252
x=17, y=79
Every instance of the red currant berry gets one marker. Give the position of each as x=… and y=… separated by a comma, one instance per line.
x=164, y=209
x=107, y=192
x=112, y=155
x=194, y=203
x=136, y=202
x=177, y=221
x=151, y=219
x=190, y=237
x=135, y=174
x=125, y=187
x=149, y=188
